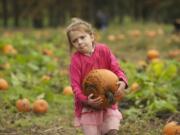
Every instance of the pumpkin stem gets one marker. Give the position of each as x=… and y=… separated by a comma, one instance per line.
x=110, y=97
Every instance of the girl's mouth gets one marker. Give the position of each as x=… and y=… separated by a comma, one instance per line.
x=82, y=48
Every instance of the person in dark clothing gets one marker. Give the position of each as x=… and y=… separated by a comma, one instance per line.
x=177, y=25
x=101, y=21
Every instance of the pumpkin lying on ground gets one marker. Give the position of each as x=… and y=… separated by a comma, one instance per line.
x=152, y=54
x=9, y=49
x=171, y=128
x=67, y=91
x=103, y=83
x=134, y=87
x=40, y=106
x=3, y=84
x=23, y=105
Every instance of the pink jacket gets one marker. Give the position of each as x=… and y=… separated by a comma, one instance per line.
x=81, y=64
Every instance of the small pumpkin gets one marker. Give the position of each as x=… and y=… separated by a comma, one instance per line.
x=67, y=90
x=40, y=106
x=134, y=87
x=5, y=66
x=171, y=128
x=103, y=83
x=9, y=49
x=23, y=105
x=47, y=52
x=111, y=37
x=135, y=33
x=151, y=34
x=142, y=64
x=152, y=54
x=46, y=77
x=174, y=53
x=3, y=84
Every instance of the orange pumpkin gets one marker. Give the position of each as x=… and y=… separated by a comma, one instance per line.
x=5, y=66
x=40, y=106
x=120, y=37
x=135, y=33
x=171, y=128
x=46, y=77
x=174, y=53
x=67, y=90
x=111, y=37
x=152, y=54
x=23, y=105
x=141, y=65
x=47, y=52
x=134, y=87
x=9, y=49
x=103, y=83
x=151, y=34
x=3, y=84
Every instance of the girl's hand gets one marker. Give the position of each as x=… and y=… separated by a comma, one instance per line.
x=94, y=102
x=120, y=90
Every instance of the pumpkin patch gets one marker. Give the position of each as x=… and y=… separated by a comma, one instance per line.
x=37, y=67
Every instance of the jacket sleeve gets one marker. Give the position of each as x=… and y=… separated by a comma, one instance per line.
x=75, y=79
x=115, y=67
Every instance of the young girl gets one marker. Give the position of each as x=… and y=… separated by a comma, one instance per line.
x=90, y=55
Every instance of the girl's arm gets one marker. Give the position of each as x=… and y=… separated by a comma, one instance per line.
x=75, y=78
x=115, y=67
x=75, y=83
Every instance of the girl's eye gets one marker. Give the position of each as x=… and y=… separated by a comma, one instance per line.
x=82, y=37
x=74, y=41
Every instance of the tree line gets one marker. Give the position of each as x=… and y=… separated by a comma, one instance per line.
x=40, y=13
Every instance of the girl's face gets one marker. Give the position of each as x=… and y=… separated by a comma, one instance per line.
x=82, y=41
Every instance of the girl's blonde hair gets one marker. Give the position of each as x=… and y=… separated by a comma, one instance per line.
x=77, y=25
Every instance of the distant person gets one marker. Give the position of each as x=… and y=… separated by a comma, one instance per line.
x=177, y=25
x=101, y=20
x=90, y=55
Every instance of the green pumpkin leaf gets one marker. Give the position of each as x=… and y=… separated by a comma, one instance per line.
x=170, y=72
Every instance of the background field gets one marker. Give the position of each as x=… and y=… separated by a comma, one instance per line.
x=38, y=68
